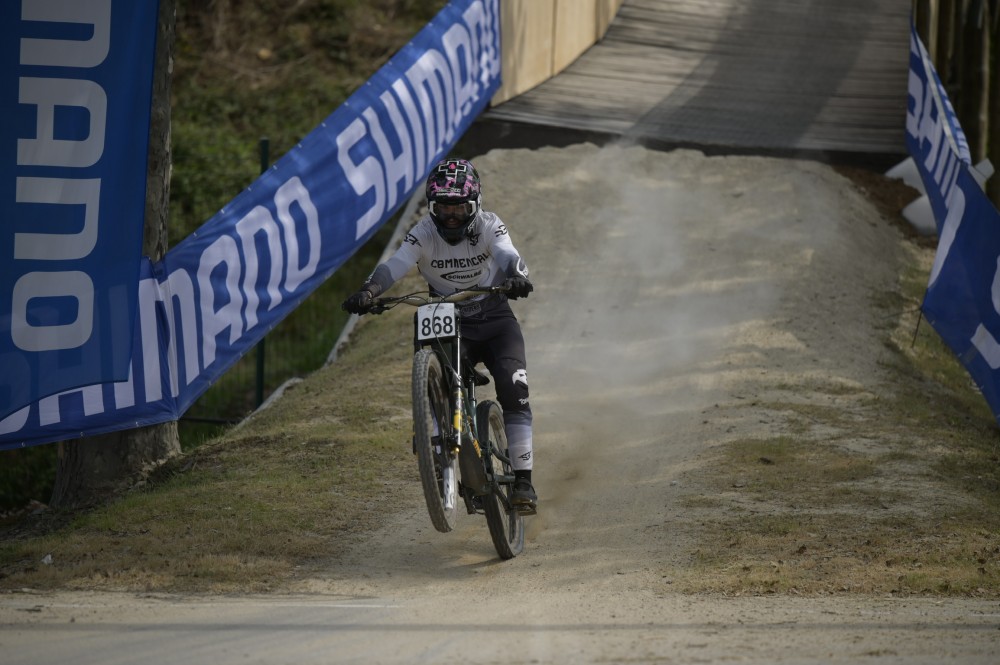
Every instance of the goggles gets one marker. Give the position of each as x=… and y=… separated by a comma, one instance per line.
x=461, y=212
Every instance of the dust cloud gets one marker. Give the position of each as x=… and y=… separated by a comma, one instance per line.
x=634, y=304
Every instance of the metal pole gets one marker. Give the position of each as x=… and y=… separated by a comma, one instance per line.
x=264, y=145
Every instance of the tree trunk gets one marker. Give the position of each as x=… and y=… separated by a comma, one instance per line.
x=925, y=19
x=971, y=101
x=993, y=119
x=92, y=468
x=948, y=13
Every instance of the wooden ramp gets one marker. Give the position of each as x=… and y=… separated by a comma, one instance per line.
x=772, y=75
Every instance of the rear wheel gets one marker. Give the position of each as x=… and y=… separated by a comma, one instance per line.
x=432, y=426
x=506, y=525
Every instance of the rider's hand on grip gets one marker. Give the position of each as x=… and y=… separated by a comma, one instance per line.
x=518, y=287
x=359, y=303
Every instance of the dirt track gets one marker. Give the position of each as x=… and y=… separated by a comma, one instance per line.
x=672, y=291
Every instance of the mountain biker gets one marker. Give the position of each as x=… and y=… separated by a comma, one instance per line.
x=459, y=245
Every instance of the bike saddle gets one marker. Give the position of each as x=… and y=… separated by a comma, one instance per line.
x=479, y=377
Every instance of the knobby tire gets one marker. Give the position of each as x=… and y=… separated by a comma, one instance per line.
x=506, y=525
x=430, y=406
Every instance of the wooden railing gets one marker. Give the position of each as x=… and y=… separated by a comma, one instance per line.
x=541, y=37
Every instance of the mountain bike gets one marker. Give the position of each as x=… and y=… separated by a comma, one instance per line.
x=460, y=445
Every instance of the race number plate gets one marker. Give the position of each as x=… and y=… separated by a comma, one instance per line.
x=435, y=321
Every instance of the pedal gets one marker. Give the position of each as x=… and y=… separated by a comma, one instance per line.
x=525, y=509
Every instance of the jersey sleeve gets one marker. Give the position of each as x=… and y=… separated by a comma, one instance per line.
x=508, y=259
x=396, y=266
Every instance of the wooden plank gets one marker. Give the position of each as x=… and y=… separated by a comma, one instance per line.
x=828, y=74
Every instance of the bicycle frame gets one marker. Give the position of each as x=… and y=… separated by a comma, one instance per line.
x=464, y=439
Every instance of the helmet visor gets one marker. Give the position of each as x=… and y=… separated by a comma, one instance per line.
x=453, y=215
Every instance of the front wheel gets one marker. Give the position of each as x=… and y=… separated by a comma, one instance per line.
x=431, y=427
x=506, y=524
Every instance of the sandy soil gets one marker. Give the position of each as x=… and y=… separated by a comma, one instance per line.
x=672, y=291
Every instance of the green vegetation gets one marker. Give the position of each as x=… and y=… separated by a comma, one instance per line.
x=266, y=69
x=249, y=70
x=26, y=475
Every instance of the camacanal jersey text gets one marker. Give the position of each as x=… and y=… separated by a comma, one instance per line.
x=486, y=258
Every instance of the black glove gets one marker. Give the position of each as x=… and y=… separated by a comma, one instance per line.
x=518, y=287
x=359, y=303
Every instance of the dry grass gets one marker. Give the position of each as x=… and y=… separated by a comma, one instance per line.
x=898, y=494
x=252, y=510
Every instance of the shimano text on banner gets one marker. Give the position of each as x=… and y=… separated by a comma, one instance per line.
x=216, y=294
x=75, y=85
x=963, y=293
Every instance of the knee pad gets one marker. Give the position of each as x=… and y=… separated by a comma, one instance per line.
x=511, y=381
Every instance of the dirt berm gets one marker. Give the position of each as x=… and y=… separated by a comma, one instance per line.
x=716, y=350
x=739, y=456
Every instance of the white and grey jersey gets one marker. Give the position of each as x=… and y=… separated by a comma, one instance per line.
x=486, y=258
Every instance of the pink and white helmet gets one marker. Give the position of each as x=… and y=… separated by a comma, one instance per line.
x=454, y=198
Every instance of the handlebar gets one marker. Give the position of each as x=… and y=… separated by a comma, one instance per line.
x=418, y=298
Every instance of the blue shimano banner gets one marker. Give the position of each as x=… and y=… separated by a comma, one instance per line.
x=934, y=137
x=963, y=296
x=75, y=85
x=216, y=294
x=963, y=293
